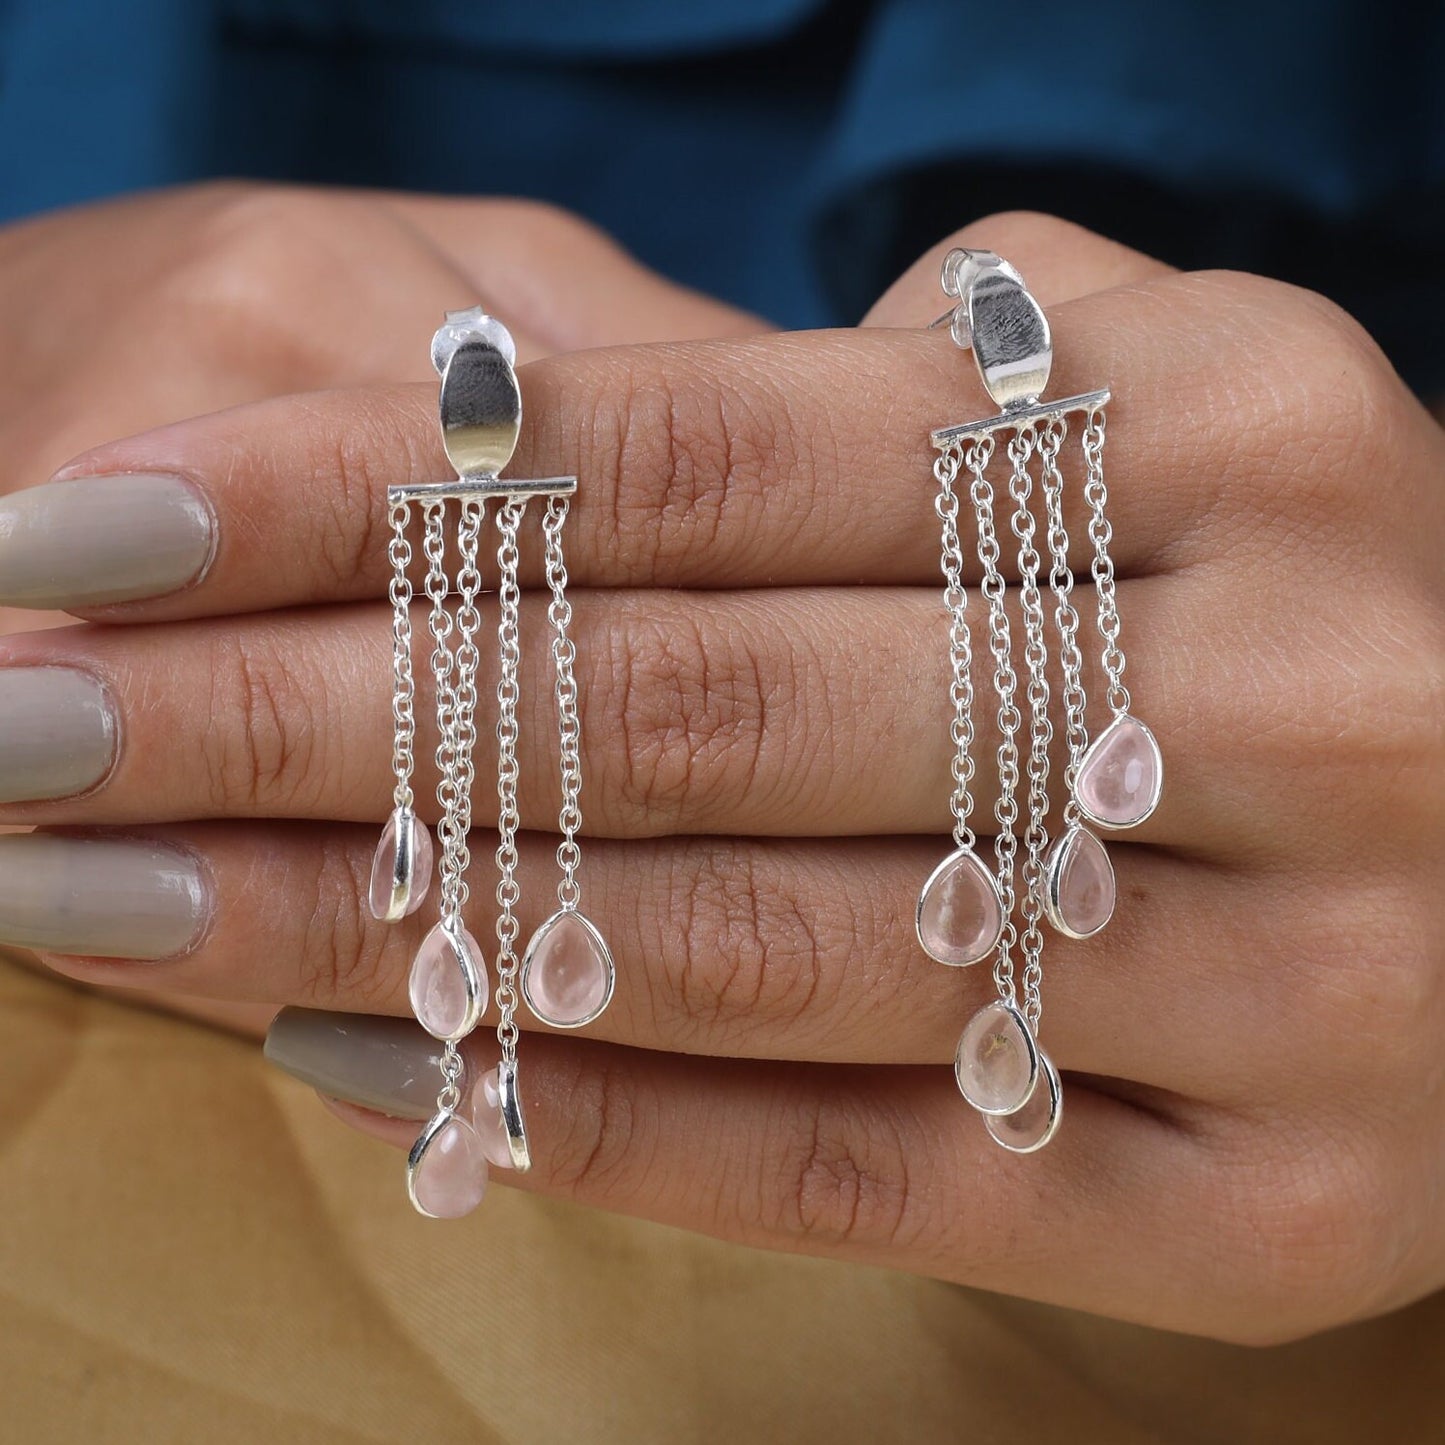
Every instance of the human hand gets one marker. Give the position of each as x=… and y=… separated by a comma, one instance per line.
x=125, y=315
x=1251, y=1147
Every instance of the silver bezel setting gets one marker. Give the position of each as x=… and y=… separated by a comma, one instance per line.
x=509, y=1101
x=933, y=878
x=1017, y=1015
x=1054, y=878
x=1056, y=1113
x=1120, y=721
x=603, y=951
x=472, y=980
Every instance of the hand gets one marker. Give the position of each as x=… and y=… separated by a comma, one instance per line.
x=123, y=316
x=1252, y=1142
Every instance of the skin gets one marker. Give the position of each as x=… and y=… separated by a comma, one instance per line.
x=1251, y=1050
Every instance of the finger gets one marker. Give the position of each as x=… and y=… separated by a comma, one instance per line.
x=878, y=1167
x=799, y=950
x=561, y=279
x=789, y=459
x=755, y=713
x=1057, y=259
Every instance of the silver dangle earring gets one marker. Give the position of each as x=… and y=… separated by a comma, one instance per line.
x=1000, y=1068
x=481, y=413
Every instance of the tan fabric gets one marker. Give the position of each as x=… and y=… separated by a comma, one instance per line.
x=191, y=1250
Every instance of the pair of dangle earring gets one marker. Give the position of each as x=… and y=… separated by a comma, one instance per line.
x=966, y=911
x=565, y=974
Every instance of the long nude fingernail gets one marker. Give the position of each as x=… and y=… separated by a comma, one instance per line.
x=101, y=897
x=57, y=733
x=391, y=1065
x=92, y=541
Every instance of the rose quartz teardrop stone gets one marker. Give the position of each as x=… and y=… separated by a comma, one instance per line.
x=384, y=883
x=1037, y=1122
x=996, y=1065
x=567, y=978
x=960, y=914
x=450, y=1177
x=487, y=1121
x=1082, y=888
x=1121, y=776
x=448, y=983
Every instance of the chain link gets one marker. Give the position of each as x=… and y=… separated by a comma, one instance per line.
x=403, y=693
x=564, y=655
x=1066, y=617
x=976, y=459
x=1101, y=534
x=960, y=646
x=509, y=521
x=1020, y=449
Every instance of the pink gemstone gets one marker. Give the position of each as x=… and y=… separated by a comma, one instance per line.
x=449, y=1171
x=567, y=971
x=1037, y=1122
x=1121, y=776
x=394, y=897
x=997, y=1064
x=487, y=1121
x=1081, y=890
x=960, y=914
x=448, y=983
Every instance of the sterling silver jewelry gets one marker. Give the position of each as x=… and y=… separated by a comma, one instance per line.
x=966, y=912
x=481, y=414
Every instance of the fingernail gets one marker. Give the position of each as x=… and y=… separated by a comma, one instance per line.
x=57, y=733
x=103, y=897
x=91, y=541
x=388, y=1064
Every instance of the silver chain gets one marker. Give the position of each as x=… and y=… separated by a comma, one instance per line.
x=509, y=521
x=464, y=699
x=1066, y=617
x=403, y=693
x=1005, y=681
x=439, y=622
x=564, y=656
x=1020, y=449
x=960, y=647
x=1101, y=534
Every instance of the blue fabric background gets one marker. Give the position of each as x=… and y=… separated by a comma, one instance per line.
x=787, y=154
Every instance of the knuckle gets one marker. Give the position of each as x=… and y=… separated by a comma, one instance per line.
x=681, y=451
x=343, y=963
x=238, y=263
x=748, y=951
x=1313, y=1234
x=1317, y=395
x=604, y=1145
x=841, y=1176
x=259, y=754
x=690, y=712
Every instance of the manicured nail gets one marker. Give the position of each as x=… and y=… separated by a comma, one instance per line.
x=57, y=733
x=103, y=897
x=388, y=1064
x=90, y=541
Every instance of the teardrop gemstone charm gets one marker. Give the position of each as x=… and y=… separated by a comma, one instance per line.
x=960, y=913
x=497, y=1118
x=1030, y=1128
x=1121, y=775
x=448, y=983
x=401, y=869
x=446, y=1172
x=1079, y=888
x=997, y=1064
x=567, y=972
